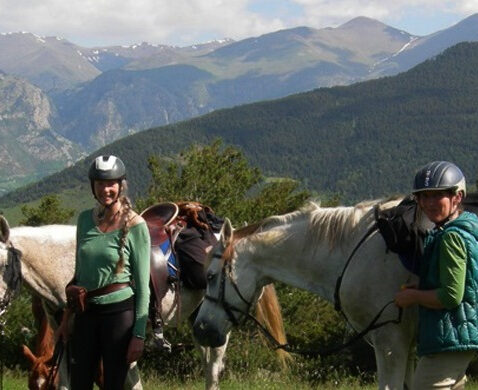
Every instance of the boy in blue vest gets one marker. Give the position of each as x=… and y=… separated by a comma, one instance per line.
x=447, y=295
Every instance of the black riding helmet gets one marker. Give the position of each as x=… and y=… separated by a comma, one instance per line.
x=106, y=168
x=439, y=175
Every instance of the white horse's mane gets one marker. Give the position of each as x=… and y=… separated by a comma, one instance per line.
x=332, y=224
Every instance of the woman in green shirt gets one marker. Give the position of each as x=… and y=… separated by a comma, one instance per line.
x=112, y=265
x=448, y=290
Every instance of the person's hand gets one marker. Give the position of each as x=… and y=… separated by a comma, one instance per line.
x=135, y=349
x=407, y=296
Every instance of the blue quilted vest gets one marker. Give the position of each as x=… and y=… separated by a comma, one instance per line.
x=455, y=329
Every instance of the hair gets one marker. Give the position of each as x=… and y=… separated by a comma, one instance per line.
x=126, y=209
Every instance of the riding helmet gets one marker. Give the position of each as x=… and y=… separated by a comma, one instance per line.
x=439, y=175
x=107, y=168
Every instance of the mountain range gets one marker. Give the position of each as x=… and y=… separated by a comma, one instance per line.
x=93, y=96
x=361, y=141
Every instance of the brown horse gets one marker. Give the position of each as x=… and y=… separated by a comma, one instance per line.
x=43, y=372
x=41, y=360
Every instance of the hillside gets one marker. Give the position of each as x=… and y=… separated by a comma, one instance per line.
x=172, y=85
x=50, y=63
x=362, y=141
x=30, y=147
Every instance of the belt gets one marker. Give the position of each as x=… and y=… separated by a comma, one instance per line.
x=109, y=288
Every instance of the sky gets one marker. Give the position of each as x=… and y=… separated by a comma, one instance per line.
x=185, y=22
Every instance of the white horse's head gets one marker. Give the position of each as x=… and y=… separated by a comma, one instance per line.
x=4, y=235
x=234, y=285
x=10, y=268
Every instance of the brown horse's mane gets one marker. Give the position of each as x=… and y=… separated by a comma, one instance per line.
x=189, y=210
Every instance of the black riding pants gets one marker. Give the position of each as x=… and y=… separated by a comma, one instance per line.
x=102, y=332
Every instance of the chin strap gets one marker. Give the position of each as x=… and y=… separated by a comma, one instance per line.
x=447, y=219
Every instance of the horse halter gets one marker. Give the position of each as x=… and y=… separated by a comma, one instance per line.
x=15, y=279
x=226, y=271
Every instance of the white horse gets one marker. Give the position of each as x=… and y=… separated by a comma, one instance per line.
x=47, y=256
x=308, y=249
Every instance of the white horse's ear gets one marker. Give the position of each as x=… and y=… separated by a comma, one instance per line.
x=4, y=229
x=226, y=232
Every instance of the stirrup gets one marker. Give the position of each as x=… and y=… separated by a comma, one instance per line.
x=161, y=343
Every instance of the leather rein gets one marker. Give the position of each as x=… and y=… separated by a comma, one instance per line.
x=226, y=274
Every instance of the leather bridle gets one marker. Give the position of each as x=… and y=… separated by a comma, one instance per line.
x=226, y=274
x=15, y=277
x=13, y=287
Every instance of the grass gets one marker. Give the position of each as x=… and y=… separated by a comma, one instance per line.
x=17, y=380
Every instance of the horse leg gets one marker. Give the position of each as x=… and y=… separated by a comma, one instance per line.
x=392, y=347
x=215, y=365
x=133, y=380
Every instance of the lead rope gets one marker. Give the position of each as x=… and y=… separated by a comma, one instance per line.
x=2, y=343
x=337, y=304
x=57, y=356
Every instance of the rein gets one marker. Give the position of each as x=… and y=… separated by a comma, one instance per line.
x=57, y=356
x=374, y=324
x=230, y=309
x=13, y=286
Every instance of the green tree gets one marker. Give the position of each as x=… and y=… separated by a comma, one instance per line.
x=48, y=212
x=221, y=177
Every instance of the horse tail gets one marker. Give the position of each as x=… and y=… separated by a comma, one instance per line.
x=269, y=313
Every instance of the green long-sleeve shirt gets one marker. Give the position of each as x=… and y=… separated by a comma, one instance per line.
x=452, y=270
x=97, y=255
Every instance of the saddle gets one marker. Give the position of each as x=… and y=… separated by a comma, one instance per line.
x=163, y=265
x=179, y=231
x=401, y=233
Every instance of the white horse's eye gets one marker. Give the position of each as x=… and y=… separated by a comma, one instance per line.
x=211, y=276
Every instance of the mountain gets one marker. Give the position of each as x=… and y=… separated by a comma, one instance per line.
x=48, y=62
x=146, y=55
x=361, y=141
x=55, y=64
x=422, y=48
x=121, y=102
x=30, y=147
x=129, y=89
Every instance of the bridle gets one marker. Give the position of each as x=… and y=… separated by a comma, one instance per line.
x=13, y=287
x=15, y=279
x=226, y=274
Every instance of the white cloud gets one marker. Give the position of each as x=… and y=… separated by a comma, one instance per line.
x=105, y=22
x=334, y=12
x=130, y=21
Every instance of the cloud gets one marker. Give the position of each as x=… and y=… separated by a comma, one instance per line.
x=132, y=21
x=335, y=12
x=106, y=22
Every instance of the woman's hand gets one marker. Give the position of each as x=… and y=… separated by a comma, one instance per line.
x=406, y=297
x=410, y=296
x=135, y=349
